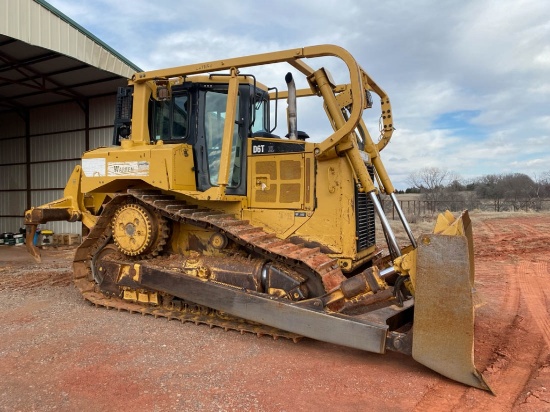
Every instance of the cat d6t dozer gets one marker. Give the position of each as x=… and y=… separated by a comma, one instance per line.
x=199, y=212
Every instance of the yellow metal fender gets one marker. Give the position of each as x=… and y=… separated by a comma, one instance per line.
x=443, y=331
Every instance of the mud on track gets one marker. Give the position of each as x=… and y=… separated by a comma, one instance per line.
x=59, y=353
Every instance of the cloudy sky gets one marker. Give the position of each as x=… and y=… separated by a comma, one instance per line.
x=469, y=80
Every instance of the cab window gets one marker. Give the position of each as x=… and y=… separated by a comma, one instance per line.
x=214, y=121
x=259, y=124
x=170, y=118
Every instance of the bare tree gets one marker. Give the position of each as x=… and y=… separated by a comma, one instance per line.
x=432, y=183
x=508, y=191
x=521, y=191
x=430, y=178
x=543, y=184
x=490, y=187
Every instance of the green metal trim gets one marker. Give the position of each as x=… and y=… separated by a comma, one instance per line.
x=81, y=29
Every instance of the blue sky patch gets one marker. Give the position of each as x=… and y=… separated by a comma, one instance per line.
x=459, y=123
x=455, y=120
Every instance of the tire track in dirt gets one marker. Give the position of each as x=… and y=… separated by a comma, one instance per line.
x=524, y=345
x=61, y=277
x=517, y=354
x=532, y=278
x=514, y=237
x=447, y=395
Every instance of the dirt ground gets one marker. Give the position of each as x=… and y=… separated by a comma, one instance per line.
x=59, y=353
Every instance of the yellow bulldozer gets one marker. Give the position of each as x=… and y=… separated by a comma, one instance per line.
x=199, y=212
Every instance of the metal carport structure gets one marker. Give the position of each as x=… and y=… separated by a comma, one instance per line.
x=58, y=87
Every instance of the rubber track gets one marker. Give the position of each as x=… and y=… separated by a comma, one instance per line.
x=239, y=231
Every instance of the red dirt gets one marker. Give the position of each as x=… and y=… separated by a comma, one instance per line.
x=58, y=352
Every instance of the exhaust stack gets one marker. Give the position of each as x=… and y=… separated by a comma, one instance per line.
x=292, y=118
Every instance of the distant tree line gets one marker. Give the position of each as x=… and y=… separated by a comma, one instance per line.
x=443, y=189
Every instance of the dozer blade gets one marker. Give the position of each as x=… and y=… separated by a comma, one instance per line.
x=443, y=331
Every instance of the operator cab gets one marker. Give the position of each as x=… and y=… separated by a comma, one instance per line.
x=195, y=114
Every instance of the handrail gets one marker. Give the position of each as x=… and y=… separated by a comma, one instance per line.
x=360, y=81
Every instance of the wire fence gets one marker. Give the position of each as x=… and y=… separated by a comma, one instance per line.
x=432, y=207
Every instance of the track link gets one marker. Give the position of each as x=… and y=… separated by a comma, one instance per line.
x=253, y=238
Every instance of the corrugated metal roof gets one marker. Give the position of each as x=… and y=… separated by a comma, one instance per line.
x=38, y=23
x=45, y=58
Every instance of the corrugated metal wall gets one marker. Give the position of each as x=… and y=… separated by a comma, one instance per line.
x=13, y=171
x=102, y=112
x=57, y=136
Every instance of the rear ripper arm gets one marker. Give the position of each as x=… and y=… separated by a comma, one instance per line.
x=71, y=208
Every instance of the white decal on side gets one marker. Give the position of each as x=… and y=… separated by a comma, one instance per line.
x=128, y=169
x=93, y=167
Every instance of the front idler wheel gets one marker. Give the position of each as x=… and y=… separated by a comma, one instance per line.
x=138, y=231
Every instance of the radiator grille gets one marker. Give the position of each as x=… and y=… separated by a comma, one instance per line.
x=123, y=113
x=364, y=215
x=124, y=104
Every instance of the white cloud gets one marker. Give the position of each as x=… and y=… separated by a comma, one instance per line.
x=180, y=47
x=434, y=58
